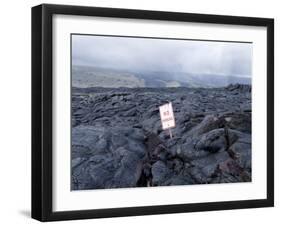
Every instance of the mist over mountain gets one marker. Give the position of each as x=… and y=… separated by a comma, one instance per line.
x=113, y=61
x=161, y=62
x=86, y=76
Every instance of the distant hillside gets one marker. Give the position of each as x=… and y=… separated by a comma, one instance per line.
x=167, y=79
x=84, y=76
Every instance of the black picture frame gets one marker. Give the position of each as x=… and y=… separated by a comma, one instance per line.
x=42, y=107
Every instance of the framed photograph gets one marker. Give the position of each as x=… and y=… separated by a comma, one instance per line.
x=140, y=112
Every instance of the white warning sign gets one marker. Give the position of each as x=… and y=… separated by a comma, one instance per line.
x=167, y=116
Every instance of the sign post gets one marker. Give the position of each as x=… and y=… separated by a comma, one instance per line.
x=170, y=132
x=167, y=117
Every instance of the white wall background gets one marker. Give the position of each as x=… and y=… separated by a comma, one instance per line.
x=15, y=113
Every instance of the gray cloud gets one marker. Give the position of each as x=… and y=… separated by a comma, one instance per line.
x=145, y=54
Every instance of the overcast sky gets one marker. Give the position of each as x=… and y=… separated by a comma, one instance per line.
x=144, y=54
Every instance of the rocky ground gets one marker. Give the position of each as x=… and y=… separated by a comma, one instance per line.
x=118, y=141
